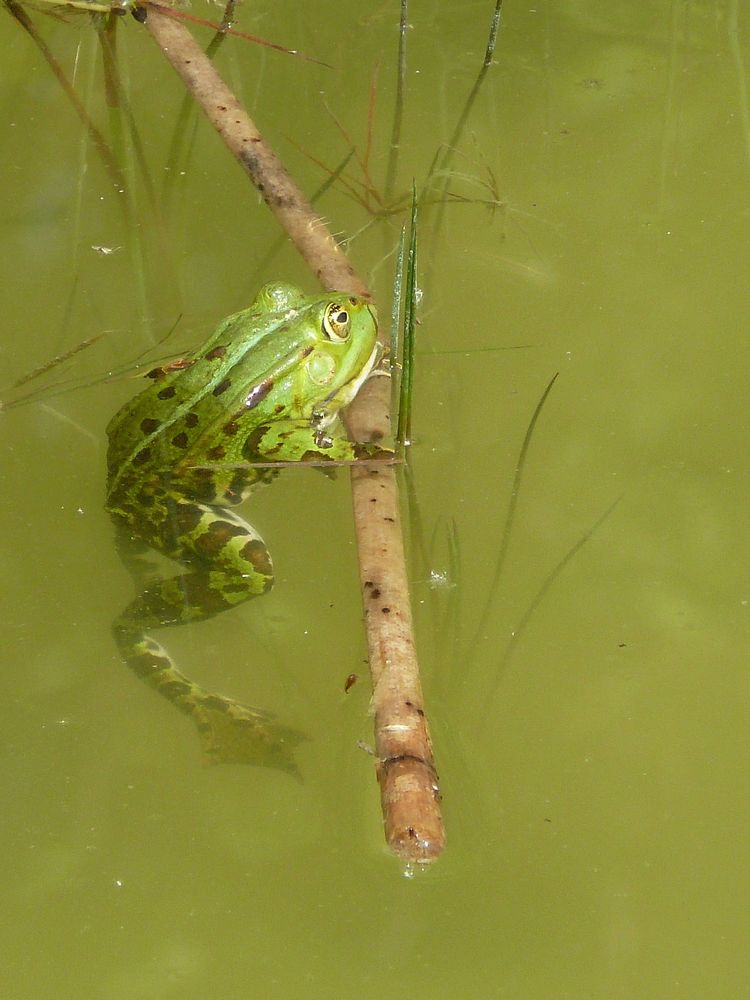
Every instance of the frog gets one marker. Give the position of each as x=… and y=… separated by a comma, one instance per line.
x=266, y=389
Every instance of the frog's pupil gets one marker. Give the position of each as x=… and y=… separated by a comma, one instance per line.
x=336, y=322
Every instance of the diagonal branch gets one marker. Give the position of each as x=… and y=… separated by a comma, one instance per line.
x=405, y=766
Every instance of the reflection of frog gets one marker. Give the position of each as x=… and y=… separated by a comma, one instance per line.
x=266, y=387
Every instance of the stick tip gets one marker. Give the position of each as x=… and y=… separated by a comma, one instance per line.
x=411, y=810
x=421, y=846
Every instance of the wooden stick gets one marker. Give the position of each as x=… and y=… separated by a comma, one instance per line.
x=405, y=767
x=409, y=791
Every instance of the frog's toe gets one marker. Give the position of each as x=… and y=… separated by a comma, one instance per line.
x=235, y=734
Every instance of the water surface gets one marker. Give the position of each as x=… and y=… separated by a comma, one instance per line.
x=591, y=727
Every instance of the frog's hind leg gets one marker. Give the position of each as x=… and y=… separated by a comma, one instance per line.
x=230, y=732
x=229, y=560
x=227, y=563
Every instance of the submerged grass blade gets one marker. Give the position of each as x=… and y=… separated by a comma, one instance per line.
x=186, y=120
x=99, y=142
x=48, y=366
x=130, y=157
x=488, y=60
x=510, y=515
x=398, y=107
x=372, y=101
x=539, y=597
x=396, y=308
x=403, y=430
x=441, y=166
x=126, y=137
x=227, y=20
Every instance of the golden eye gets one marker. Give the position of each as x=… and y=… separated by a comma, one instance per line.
x=336, y=321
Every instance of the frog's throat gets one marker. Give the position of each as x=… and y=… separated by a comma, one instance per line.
x=346, y=393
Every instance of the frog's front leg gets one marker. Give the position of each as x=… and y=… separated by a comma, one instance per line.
x=319, y=440
x=227, y=563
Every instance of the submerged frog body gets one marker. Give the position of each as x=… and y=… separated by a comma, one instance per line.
x=266, y=388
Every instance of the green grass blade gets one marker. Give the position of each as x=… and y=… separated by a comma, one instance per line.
x=396, y=306
x=515, y=491
x=403, y=432
x=398, y=110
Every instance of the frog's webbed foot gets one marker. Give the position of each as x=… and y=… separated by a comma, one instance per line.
x=232, y=733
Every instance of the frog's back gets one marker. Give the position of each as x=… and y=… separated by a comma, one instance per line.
x=185, y=402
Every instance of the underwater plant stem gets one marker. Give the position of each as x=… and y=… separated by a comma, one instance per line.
x=398, y=107
x=440, y=166
x=405, y=768
x=489, y=57
x=515, y=492
x=97, y=139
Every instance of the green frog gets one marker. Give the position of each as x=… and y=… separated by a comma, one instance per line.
x=265, y=389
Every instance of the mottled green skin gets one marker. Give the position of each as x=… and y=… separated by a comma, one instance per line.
x=266, y=387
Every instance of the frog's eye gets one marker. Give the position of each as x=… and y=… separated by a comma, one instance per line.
x=336, y=321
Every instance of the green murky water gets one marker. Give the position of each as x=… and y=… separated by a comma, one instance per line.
x=591, y=729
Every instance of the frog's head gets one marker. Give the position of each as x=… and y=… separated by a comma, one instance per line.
x=341, y=347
